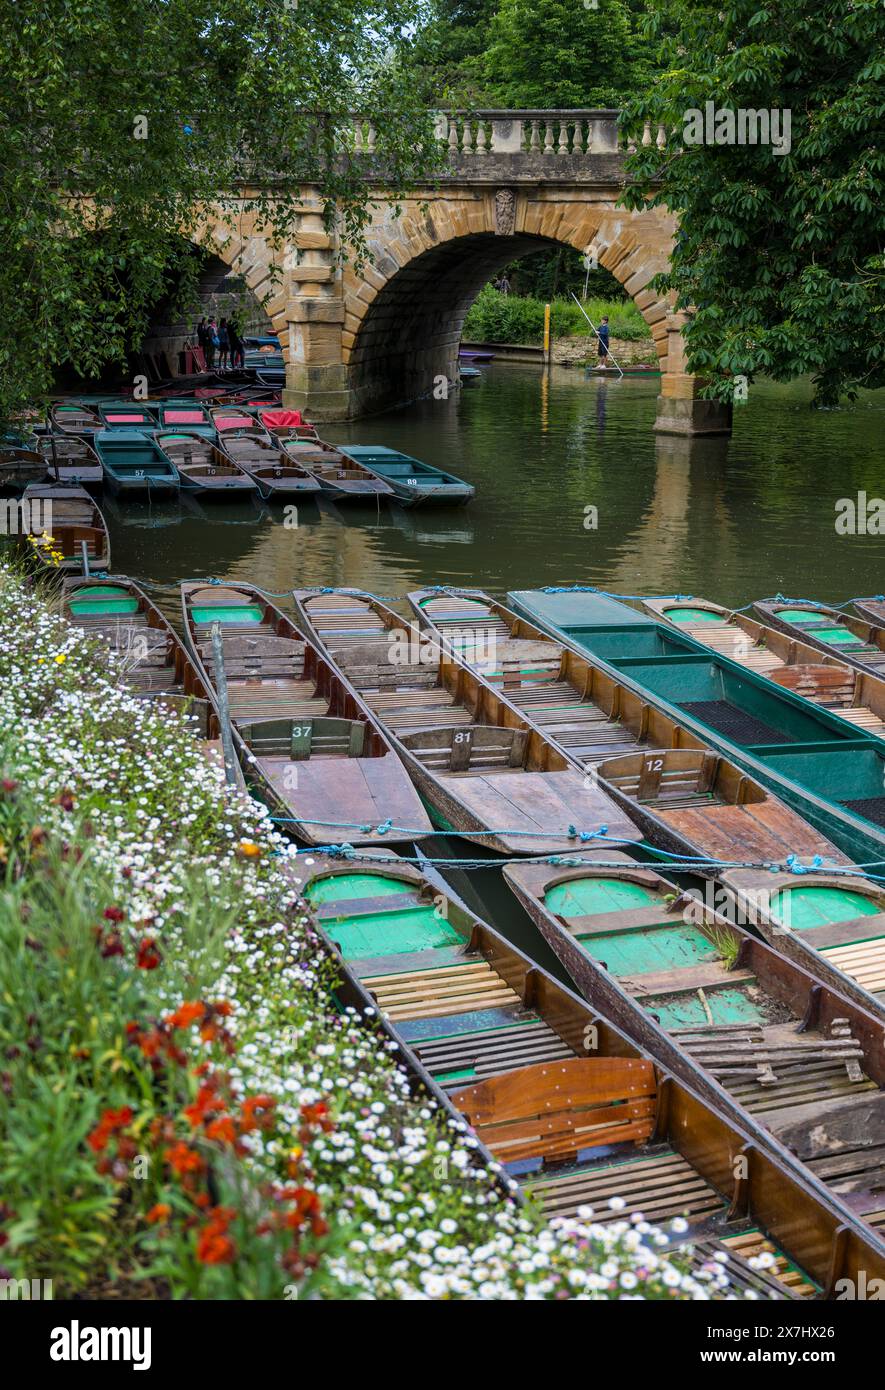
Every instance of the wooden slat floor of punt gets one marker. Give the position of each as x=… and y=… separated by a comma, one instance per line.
x=128, y=635
x=441, y=991
x=756, y=830
x=475, y=1056
x=863, y=961
x=749, y=1244
x=813, y=1082
x=862, y=717
x=661, y=1188
x=579, y=726
x=732, y=642
x=860, y=1170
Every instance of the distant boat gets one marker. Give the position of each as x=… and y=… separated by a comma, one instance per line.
x=202, y=467
x=233, y=421
x=186, y=415
x=469, y=374
x=470, y=355
x=71, y=417
x=75, y=522
x=134, y=464
x=19, y=466
x=127, y=417
x=414, y=483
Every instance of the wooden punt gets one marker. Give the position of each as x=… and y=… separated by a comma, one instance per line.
x=236, y=422
x=304, y=736
x=854, y=640
x=856, y=696
x=275, y=474
x=134, y=465
x=872, y=610
x=19, y=467
x=127, y=415
x=832, y=774
x=805, y=1061
x=71, y=417
x=283, y=424
x=72, y=519
x=71, y=460
x=484, y=772
x=191, y=417
x=202, y=467
x=686, y=797
x=575, y=1111
x=340, y=476
x=413, y=482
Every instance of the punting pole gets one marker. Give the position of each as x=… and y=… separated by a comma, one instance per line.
x=227, y=738
x=547, y=334
x=593, y=326
x=85, y=553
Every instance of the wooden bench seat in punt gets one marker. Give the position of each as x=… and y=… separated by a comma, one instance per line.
x=490, y=1052
x=864, y=961
x=438, y=992
x=750, y=1244
x=762, y=830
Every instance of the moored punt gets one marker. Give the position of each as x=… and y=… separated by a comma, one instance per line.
x=482, y=770
x=191, y=416
x=832, y=774
x=284, y=424
x=573, y=1109
x=872, y=610
x=19, y=467
x=202, y=467
x=117, y=611
x=303, y=735
x=805, y=1061
x=686, y=797
x=76, y=524
x=414, y=483
x=275, y=474
x=127, y=416
x=134, y=464
x=71, y=417
x=234, y=422
x=71, y=460
x=340, y=476
x=856, y=696
x=850, y=639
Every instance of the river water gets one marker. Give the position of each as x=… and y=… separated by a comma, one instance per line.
x=727, y=519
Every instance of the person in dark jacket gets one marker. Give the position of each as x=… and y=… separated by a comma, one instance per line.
x=236, y=343
x=602, y=347
x=223, y=344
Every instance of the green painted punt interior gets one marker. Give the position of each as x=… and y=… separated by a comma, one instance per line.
x=803, y=909
x=227, y=613
x=693, y=615
x=109, y=602
x=645, y=950
x=803, y=618
x=401, y=929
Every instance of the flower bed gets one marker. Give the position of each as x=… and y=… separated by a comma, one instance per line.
x=184, y=1110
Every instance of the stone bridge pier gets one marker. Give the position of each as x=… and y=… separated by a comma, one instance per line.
x=361, y=338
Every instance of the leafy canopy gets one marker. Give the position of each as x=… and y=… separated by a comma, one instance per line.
x=779, y=256
x=120, y=122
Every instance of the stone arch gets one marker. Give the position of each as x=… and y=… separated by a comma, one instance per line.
x=248, y=252
x=404, y=313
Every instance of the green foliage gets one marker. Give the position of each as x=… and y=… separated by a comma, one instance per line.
x=558, y=53
x=779, y=256
x=510, y=318
x=117, y=126
x=559, y=272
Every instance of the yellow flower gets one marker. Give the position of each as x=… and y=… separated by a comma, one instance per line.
x=61, y=657
x=247, y=849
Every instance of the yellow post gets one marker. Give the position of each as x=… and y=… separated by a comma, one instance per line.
x=546, y=332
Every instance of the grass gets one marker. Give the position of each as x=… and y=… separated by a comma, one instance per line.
x=500, y=318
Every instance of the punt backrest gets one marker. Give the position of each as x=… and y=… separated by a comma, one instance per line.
x=552, y=1110
x=299, y=739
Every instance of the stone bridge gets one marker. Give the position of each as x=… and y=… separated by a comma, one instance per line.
x=357, y=340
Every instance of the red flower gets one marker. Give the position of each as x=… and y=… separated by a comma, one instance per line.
x=186, y=1014
x=114, y=914
x=161, y=1212
x=111, y=945
x=214, y=1245
x=223, y=1128
x=148, y=957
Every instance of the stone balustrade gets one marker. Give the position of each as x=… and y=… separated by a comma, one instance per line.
x=527, y=131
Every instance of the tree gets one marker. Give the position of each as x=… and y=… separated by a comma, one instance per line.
x=559, y=53
x=120, y=123
x=779, y=255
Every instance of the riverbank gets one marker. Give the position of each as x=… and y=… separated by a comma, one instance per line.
x=184, y=1109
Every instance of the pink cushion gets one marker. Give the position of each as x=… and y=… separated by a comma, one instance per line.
x=125, y=419
x=281, y=419
x=233, y=422
x=183, y=417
